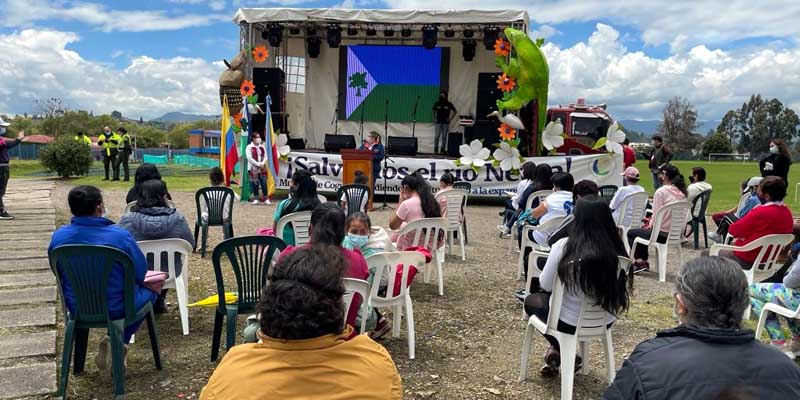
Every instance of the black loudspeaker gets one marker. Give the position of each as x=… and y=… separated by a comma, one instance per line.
x=488, y=94
x=402, y=146
x=297, y=144
x=273, y=79
x=485, y=130
x=334, y=143
x=453, y=142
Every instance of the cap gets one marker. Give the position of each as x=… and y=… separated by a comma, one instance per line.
x=631, y=172
x=754, y=181
x=122, y=129
x=3, y=123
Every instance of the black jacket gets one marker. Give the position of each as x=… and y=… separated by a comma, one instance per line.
x=780, y=166
x=697, y=363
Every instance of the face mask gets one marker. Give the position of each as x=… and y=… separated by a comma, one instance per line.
x=357, y=241
x=258, y=141
x=773, y=149
x=2, y=131
x=105, y=211
x=292, y=191
x=691, y=179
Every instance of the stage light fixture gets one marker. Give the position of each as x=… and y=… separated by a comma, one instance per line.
x=371, y=31
x=352, y=30
x=449, y=32
x=490, y=34
x=429, y=36
x=405, y=32
x=469, y=33
x=468, y=49
x=334, y=35
x=388, y=32
x=294, y=30
x=313, y=46
x=311, y=31
x=274, y=35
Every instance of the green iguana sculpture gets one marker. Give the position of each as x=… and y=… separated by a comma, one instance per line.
x=529, y=69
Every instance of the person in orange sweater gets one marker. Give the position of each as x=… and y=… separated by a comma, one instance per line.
x=303, y=350
x=770, y=218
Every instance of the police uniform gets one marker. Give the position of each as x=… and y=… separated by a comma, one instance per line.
x=124, y=152
x=109, y=144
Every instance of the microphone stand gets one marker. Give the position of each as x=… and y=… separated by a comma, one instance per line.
x=361, y=125
x=386, y=121
x=414, y=117
x=335, y=120
x=386, y=158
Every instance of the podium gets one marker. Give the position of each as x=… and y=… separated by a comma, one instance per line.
x=358, y=160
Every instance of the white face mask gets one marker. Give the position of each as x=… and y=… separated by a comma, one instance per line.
x=258, y=141
x=773, y=149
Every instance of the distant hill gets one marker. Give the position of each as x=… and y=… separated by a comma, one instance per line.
x=649, y=127
x=175, y=117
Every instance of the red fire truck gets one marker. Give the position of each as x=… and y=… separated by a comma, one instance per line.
x=583, y=126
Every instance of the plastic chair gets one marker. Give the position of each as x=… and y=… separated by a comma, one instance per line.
x=426, y=233
x=352, y=287
x=468, y=188
x=216, y=199
x=592, y=325
x=455, y=202
x=607, y=192
x=699, y=217
x=637, y=203
x=678, y=212
x=178, y=282
x=777, y=309
x=549, y=226
x=251, y=258
x=386, y=265
x=356, y=196
x=539, y=194
x=87, y=269
x=770, y=248
x=299, y=222
x=129, y=206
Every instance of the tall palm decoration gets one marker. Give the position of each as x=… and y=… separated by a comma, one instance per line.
x=358, y=81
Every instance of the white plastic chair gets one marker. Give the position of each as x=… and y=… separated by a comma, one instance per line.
x=180, y=282
x=386, y=266
x=770, y=248
x=455, y=200
x=677, y=212
x=549, y=226
x=426, y=233
x=638, y=203
x=352, y=287
x=300, y=222
x=592, y=325
x=539, y=194
x=129, y=206
x=777, y=309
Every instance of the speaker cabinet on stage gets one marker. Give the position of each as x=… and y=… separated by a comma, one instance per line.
x=453, y=142
x=296, y=144
x=335, y=143
x=275, y=80
x=401, y=146
x=488, y=94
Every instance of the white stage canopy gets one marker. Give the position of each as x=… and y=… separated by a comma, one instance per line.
x=408, y=17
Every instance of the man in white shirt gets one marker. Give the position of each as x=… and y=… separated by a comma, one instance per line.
x=558, y=204
x=699, y=185
x=631, y=178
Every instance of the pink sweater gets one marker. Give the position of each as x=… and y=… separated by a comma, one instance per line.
x=664, y=195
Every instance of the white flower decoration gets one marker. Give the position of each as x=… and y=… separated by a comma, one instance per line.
x=474, y=154
x=508, y=156
x=614, y=138
x=283, y=148
x=553, y=136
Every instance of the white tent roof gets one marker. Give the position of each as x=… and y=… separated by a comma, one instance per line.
x=409, y=17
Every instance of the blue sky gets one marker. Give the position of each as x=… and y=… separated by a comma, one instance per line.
x=152, y=57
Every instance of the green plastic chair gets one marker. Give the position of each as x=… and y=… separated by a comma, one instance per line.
x=251, y=258
x=703, y=199
x=87, y=269
x=215, y=198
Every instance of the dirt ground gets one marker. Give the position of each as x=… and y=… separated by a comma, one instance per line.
x=468, y=341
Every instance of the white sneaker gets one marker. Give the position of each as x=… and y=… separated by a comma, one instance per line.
x=503, y=229
x=255, y=202
x=267, y=202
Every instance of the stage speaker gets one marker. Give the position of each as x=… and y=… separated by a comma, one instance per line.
x=334, y=143
x=401, y=146
x=453, y=142
x=270, y=81
x=297, y=144
x=488, y=94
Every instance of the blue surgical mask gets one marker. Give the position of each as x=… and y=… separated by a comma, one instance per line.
x=357, y=241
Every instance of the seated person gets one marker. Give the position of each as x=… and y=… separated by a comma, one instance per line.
x=631, y=186
x=88, y=227
x=557, y=204
x=698, y=184
x=303, y=352
x=542, y=180
x=710, y=355
x=153, y=220
x=446, y=182
x=416, y=202
x=359, y=179
x=513, y=205
x=785, y=294
x=724, y=219
x=216, y=179
x=772, y=217
x=144, y=173
x=302, y=197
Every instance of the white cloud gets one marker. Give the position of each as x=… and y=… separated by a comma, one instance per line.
x=37, y=64
x=216, y=5
x=25, y=13
x=544, y=31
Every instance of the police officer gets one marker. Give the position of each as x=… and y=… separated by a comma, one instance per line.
x=124, y=152
x=109, y=142
x=82, y=138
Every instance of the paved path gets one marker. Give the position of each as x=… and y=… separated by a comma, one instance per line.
x=27, y=292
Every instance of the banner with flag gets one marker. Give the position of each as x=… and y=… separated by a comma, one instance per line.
x=228, y=154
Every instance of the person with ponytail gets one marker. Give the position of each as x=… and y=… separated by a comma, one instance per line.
x=416, y=201
x=671, y=189
x=302, y=197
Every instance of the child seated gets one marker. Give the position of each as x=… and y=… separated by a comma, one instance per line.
x=216, y=179
x=359, y=179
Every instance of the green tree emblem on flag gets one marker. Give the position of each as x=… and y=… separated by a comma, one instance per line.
x=358, y=81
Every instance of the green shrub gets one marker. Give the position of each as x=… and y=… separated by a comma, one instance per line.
x=67, y=157
x=717, y=143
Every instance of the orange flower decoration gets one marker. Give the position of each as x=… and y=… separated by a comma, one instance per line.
x=260, y=54
x=237, y=119
x=502, y=47
x=507, y=132
x=506, y=83
x=247, y=88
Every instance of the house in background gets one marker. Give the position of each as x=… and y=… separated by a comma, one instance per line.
x=30, y=147
x=204, y=143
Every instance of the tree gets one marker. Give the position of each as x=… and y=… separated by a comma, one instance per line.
x=717, y=143
x=148, y=136
x=178, y=137
x=50, y=107
x=67, y=157
x=358, y=81
x=678, y=124
x=757, y=122
x=23, y=124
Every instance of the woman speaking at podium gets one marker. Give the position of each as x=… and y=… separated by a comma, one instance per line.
x=373, y=143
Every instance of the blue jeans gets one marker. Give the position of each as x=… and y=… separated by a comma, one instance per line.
x=254, y=184
x=656, y=181
x=441, y=132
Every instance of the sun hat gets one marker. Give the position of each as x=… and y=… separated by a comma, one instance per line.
x=754, y=181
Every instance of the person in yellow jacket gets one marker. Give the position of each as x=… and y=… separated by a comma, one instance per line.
x=109, y=142
x=83, y=138
x=124, y=153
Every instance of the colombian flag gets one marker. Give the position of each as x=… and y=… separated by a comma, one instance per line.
x=228, y=155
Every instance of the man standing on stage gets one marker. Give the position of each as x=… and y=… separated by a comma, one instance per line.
x=4, y=169
x=373, y=143
x=445, y=111
x=124, y=148
x=109, y=141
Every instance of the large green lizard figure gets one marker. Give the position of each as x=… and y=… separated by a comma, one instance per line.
x=529, y=69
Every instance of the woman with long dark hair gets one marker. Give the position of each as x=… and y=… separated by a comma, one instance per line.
x=302, y=197
x=145, y=172
x=586, y=263
x=416, y=201
x=778, y=161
